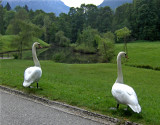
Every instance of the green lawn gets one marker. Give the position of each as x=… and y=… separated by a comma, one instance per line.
x=142, y=53
x=89, y=86
x=6, y=41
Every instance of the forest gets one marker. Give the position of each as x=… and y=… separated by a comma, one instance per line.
x=87, y=29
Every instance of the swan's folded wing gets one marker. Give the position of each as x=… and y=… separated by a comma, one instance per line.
x=32, y=73
x=132, y=97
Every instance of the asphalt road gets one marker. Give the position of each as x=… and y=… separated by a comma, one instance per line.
x=16, y=110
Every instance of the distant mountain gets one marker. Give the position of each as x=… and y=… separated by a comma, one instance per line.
x=55, y=6
x=114, y=3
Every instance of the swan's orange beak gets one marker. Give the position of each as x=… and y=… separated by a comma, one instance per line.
x=39, y=46
x=126, y=56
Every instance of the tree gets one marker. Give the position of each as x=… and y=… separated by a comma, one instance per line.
x=123, y=34
x=122, y=16
x=8, y=16
x=105, y=49
x=14, y=26
x=27, y=32
x=104, y=19
x=90, y=14
x=1, y=20
x=63, y=24
x=47, y=25
x=109, y=35
x=8, y=7
x=86, y=41
x=144, y=20
x=61, y=40
x=87, y=37
x=77, y=19
x=26, y=8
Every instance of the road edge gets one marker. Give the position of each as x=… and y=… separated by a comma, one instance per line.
x=78, y=111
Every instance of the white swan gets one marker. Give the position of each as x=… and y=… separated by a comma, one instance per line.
x=124, y=94
x=33, y=74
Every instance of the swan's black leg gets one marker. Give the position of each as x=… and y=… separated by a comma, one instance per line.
x=127, y=107
x=117, y=106
x=37, y=85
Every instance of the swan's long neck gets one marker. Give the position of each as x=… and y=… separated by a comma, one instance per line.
x=35, y=59
x=119, y=68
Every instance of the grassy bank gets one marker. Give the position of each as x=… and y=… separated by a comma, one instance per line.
x=89, y=86
x=6, y=40
x=142, y=53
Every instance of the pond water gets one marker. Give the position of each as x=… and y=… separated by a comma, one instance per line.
x=66, y=55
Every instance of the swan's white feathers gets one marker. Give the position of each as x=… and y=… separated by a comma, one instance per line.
x=124, y=94
x=31, y=75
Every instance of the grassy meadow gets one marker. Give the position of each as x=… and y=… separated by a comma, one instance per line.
x=142, y=53
x=89, y=85
x=6, y=41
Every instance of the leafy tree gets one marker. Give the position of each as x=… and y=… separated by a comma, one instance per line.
x=1, y=43
x=17, y=8
x=26, y=8
x=47, y=24
x=87, y=37
x=63, y=24
x=52, y=32
x=123, y=34
x=31, y=14
x=14, y=26
x=8, y=16
x=104, y=19
x=145, y=20
x=8, y=7
x=109, y=35
x=77, y=19
x=1, y=20
x=105, y=49
x=90, y=14
x=27, y=32
x=122, y=16
x=39, y=19
x=61, y=40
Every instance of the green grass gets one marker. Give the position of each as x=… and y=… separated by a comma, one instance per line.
x=142, y=53
x=89, y=86
x=6, y=41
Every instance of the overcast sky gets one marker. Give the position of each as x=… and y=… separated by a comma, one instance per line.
x=77, y=3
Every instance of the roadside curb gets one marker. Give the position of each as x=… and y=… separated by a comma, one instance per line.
x=72, y=109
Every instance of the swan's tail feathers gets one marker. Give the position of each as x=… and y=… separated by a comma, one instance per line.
x=26, y=84
x=135, y=108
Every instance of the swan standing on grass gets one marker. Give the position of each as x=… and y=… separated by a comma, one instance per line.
x=34, y=73
x=124, y=94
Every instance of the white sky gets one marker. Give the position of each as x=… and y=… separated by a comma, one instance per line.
x=77, y=3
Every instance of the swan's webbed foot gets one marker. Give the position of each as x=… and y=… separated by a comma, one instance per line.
x=126, y=108
x=30, y=87
x=113, y=108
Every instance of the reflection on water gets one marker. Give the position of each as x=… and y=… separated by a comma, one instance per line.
x=66, y=55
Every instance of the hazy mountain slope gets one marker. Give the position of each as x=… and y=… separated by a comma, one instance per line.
x=55, y=6
x=114, y=3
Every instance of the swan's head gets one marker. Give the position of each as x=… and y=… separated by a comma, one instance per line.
x=122, y=54
x=37, y=44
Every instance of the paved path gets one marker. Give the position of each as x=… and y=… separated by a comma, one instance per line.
x=16, y=110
